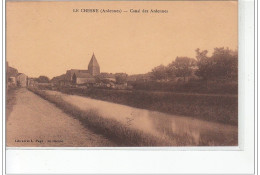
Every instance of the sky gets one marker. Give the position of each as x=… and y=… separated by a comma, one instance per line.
x=48, y=38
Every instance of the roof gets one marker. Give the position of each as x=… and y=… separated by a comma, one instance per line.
x=11, y=72
x=138, y=77
x=107, y=75
x=93, y=62
x=19, y=74
x=58, y=78
x=77, y=70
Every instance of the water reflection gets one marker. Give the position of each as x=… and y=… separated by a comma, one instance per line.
x=184, y=130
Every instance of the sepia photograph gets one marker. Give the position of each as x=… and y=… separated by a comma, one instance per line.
x=121, y=74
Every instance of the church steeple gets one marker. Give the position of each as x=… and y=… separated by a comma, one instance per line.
x=93, y=66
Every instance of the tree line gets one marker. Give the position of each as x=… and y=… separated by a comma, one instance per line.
x=223, y=64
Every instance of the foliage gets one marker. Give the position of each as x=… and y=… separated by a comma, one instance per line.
x=204, y=64
x=159, y=73
x=193, y=86
x=222, y=64
x=183, y=66
x=121, y=78
x=225, y=63
x=58, y=78
x=42, y=79
x=171, y=71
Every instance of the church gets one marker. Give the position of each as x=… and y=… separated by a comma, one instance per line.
x=77, y=76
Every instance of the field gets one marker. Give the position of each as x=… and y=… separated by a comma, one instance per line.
x=217, y=108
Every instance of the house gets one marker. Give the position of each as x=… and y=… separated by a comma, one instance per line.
x=21, y=80
x=107, y=77
x=63, y=82
x=11, y=74
x=31, y=82
x=139, y=77
x=12, y=81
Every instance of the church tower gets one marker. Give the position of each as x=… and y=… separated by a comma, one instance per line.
x=93, y=66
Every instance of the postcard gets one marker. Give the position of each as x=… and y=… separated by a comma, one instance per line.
x=121, y=73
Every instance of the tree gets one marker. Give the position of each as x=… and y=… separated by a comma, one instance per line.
x=42, y=79
x=74, y=79
x=222, y=64
x=171, y=71
x=159, y=73
x=204, y=64
x=98, y=78
x=183, y=66
x=121, y=78
x=225, y=63
x=234, y=66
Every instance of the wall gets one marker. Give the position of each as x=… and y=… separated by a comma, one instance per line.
x=84, y=80
x=22, y=80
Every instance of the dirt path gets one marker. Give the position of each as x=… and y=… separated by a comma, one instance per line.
x=36, y=122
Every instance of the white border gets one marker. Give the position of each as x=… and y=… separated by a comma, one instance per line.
x=239, y=161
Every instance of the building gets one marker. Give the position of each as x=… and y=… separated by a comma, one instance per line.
x=89, y=76
x=14, y=78
x=139, y=78
x=79, y=76
x=93, y=66
x=11, y=74
x=31, y=82
x=21, y=80
x=12, y=81
x=82, y=78
x=109, y=77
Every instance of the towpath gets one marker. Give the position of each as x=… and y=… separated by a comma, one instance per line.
x=36, y=122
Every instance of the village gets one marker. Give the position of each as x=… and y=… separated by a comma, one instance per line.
x=91, y=77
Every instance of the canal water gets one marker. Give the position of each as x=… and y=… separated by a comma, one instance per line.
x=162, y=125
